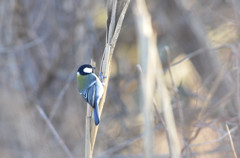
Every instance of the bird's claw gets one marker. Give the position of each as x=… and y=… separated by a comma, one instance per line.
x=102, y=77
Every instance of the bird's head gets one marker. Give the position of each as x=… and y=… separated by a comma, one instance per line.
x=85, y=69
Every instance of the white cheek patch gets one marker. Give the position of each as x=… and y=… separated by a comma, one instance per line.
x=87, y=70
x=78, y=73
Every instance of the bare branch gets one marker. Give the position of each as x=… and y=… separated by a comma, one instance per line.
x=54, y=132
x=112, y=34
x=232, y=145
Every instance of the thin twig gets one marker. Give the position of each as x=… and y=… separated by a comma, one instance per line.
x=212, y=91
x=232, y=145
x=197, y=52
x=162, y=121
x=61, y=94
x=125, y=144
x=194, y=154
x=25, y=46
x=215, y=140
x=54, y=132
x=176, y=97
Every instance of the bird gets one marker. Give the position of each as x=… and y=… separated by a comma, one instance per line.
x=91, y=88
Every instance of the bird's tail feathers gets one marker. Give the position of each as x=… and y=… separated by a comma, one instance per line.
x=96, y=114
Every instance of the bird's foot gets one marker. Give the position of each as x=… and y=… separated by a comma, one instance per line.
x=102, y=77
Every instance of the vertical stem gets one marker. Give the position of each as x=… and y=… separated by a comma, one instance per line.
x=146, y=40
x=176, y=97
x=115, y=27
x=151, y=67
x=88, y=148
x=88, y=151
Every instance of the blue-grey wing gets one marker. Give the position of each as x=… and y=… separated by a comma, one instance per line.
x=92, y=95
x=94, y=92
x=89, y=95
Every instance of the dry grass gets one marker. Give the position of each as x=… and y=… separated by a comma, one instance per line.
x=197, y=83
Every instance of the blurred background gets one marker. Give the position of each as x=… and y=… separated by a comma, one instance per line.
x=42, y=43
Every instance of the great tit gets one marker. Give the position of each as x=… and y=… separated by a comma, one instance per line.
x=90, y=87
